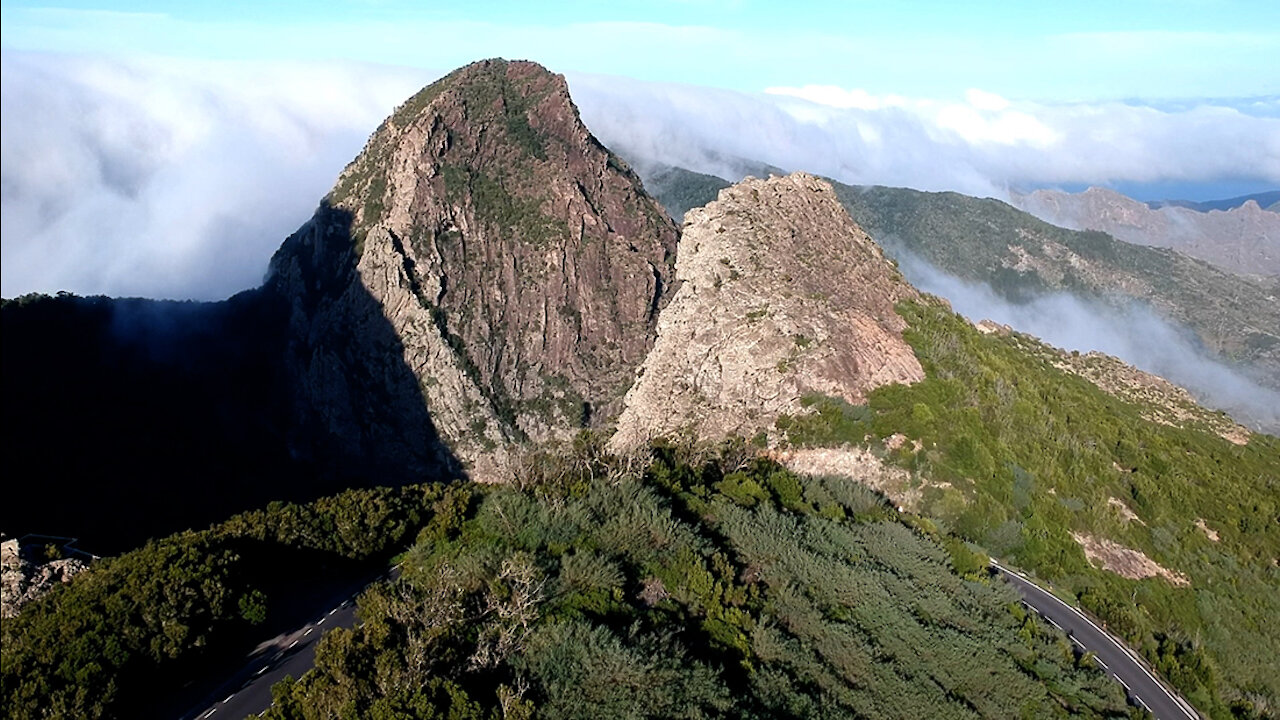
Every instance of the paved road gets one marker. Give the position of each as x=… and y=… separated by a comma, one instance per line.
x=248, y=692
x=1116, y=659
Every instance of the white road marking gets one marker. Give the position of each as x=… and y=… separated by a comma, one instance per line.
x=1051, y=622
x=1140, y=703
x=308, y=632
x=262, y=669
x=295, y=642
x=224, y=702
x=320, y=621
x=1182, y=704
x=333, y=611
x=1099, y=661
x=211, y=711
x=1125, y=684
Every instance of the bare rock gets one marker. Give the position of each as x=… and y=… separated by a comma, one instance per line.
x=25, y=578
x=781, y=295
x=484, y=274
x=1243, y=240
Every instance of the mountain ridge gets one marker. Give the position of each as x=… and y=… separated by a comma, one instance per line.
x=1244, y=239
x=487, y=289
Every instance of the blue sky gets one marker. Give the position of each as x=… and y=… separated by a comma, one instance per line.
x=1056, y=52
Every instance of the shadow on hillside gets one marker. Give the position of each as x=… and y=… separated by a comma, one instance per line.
x=127, y=419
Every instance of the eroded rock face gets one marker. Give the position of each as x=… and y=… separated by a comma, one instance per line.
x=485, y=272
x=781, y=295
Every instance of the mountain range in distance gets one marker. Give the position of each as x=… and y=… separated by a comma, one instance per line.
x=1269, y=200
x=735, y=467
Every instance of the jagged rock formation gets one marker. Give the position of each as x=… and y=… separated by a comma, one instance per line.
x=484, y=258
x=781, y=296
x=23, y=581
x=1245, y=239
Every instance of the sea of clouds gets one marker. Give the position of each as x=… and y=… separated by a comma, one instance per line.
x=178, y=179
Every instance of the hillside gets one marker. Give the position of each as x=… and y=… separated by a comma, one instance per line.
x=1243, y=239
x=128, y=419
x=1267, y=200
x=1020, y=256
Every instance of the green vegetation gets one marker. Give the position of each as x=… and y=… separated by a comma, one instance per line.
x=162, y=614
x=681, y=190
x=972, y=239
x=520, y=217
x=703, y=588
x=1018, y=455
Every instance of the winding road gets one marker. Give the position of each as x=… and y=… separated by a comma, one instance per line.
x=248, y=692
x=1112, y=655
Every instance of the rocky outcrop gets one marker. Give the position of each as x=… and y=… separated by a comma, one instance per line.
x=1245, y=239
x=23, y=579
x=781, y=296
x=484, y=273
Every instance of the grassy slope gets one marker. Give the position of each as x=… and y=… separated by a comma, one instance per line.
x=1032, y=454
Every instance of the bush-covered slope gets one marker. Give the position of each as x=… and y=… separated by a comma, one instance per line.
x=124, y=635
x=988, y=241
x=695, y=590
x=1020, y=457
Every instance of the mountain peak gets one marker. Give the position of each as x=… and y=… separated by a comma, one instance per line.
x=519, y=263
x=782, y=296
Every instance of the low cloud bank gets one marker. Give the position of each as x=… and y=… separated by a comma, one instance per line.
x=1133, y=333
x=170, y=180
x=981, y=145
x=178, y=179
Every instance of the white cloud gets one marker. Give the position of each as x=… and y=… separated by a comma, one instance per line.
x=981, y=145
x=1133, y=333
x=179, y=179
x=170, y=179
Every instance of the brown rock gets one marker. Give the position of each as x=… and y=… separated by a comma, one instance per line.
x=781, y=295
x=1243, y=240
x=484, y=258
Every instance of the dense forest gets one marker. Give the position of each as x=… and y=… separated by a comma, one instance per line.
x=705, y=585
x=702, y=586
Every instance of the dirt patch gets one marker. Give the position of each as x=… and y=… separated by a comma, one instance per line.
x=1208, y=531
x=859, y=464
x=1125, y=512
x=1125, y=562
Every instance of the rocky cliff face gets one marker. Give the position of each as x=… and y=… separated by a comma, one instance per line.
x=781, y=295
x=485, y=272
x=1243, y=240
